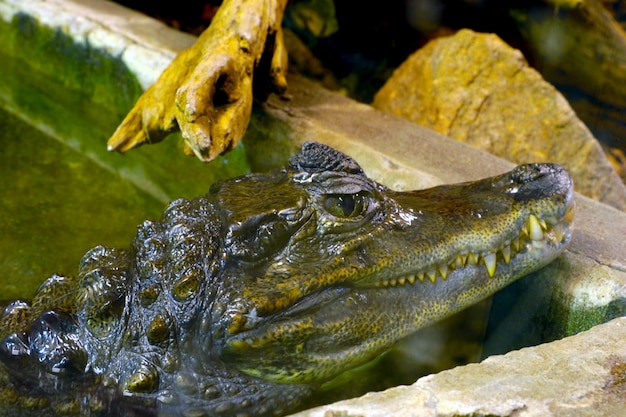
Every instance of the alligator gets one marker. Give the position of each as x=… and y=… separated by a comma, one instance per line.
x=246, y=300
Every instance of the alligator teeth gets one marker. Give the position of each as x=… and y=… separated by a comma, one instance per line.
x=490, y=263
x=506, y=253
x=459, y=262
x=559, y=232
x=432, y=275
x=443, y=270
x=569, y=214
x=523, y=232
x=534, y=234
x=534, y=228
x=539, y=244
x=472, y=259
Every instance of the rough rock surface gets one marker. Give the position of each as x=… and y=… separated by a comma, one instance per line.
x=475, y=88
x=582, y=375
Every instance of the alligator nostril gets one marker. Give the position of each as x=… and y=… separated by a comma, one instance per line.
x=529, y=173
x=525, y=174
x=541, y=180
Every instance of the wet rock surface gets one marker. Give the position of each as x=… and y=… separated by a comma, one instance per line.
x=475, y=88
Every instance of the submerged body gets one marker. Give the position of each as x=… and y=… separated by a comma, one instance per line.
x=246, y=300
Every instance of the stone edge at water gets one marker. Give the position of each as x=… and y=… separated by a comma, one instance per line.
x=582, y=375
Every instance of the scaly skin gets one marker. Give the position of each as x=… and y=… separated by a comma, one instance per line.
x=244, y=301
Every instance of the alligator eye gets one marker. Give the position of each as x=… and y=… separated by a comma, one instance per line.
x=345, y=205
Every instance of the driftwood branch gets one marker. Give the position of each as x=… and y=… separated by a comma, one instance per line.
x=207, y=91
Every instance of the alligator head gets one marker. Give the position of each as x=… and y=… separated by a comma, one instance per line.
x=243, y=300
x=353, y=266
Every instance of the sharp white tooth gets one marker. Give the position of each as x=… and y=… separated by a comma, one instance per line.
x=402, y=280
x=459, y=262
x=543, y=224
x=490, y=263
x=432, y=275
x=515, y=244
x=534, y=228
x=506, y=253
x=393, y=282
x=539, y=244
x=559, y=232
x=524, y=230
x=472, y=259
x=411, y=279
x=569, y=214
x=421, y=277
x=443, y=270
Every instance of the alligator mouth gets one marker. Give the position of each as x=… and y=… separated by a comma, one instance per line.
x=536, y=234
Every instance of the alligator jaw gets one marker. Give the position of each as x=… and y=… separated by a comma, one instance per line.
x=535, y=235
x=436, y=252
